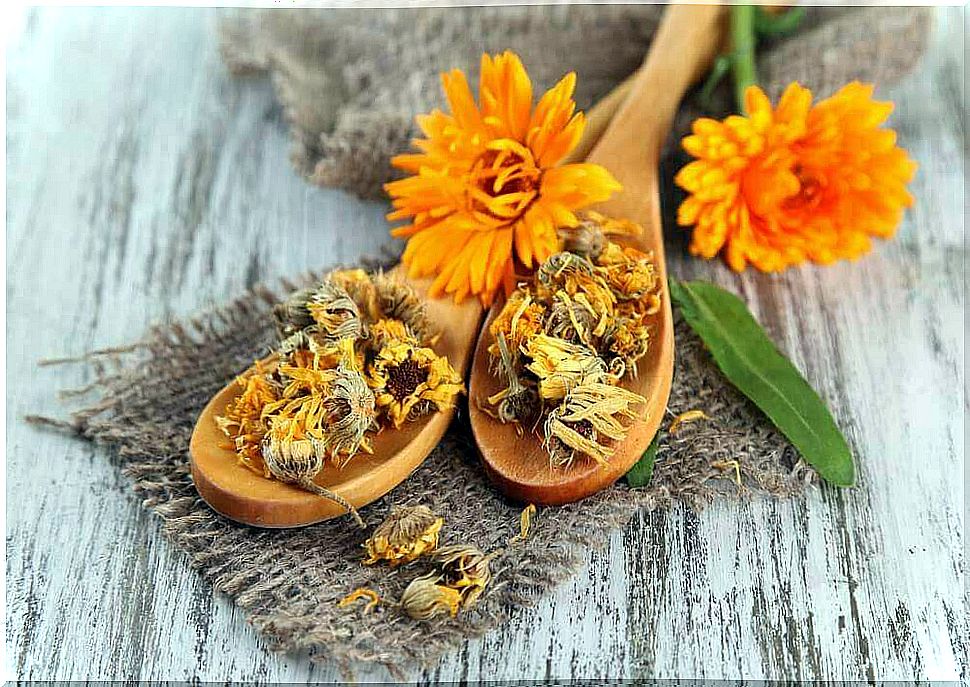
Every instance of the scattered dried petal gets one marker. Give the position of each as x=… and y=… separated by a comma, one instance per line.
x=361, y=593
x=688, y=416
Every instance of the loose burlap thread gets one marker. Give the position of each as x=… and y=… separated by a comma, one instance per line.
x=350, y=82
x=148, y=396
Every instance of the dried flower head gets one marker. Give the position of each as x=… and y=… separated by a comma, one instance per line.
x=406, y=534
x=335, y=313
x=399, y=301
x=518, y=402
x=588, y=419
x=464, y=568
x=329, y=410
x=292, y=315
x=243, y=418
x=361, y=289
x=387, y=331
x=630, y=274
x=560, y=366
x=519, y=319
x=410, y=381
x=424, y=598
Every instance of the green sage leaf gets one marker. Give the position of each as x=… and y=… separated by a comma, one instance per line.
x=641, y=472
x=751, y=362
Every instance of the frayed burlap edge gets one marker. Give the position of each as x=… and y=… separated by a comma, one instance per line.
x=145, y=398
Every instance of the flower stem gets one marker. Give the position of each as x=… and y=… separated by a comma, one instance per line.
x=743, y=44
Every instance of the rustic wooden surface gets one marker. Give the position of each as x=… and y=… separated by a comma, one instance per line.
x=144, y=183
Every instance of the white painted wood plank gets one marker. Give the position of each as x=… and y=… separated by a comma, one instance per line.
x=144, y=183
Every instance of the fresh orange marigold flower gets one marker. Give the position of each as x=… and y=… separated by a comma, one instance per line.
x=797, y=182
x=484, y=189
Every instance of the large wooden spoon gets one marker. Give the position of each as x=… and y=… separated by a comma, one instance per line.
x=241, y=495
x=684, y=46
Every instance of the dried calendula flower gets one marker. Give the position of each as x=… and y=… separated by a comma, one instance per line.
x=243, y=419
x=587, y=420
x=406, y=534
x=328, y=410
x=292, y=315
x=520, y=319
x=518, y=402
x=361, y=289
x=424, y=598
x=409, y=381
x=399, y=301
x=561, y=366
x=631, y=275
x=335, y=313
x=386, y=331
x=464, y=568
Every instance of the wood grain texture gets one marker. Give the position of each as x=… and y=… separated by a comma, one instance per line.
x=144, y=183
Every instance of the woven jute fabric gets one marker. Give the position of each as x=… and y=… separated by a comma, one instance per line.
x=351, y=81
x=144, y=402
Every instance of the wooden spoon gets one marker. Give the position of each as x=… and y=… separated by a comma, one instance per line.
x=685, y=44
x=241, y=495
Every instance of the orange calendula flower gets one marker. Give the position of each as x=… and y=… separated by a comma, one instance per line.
x=485, y=188
x=796, y=182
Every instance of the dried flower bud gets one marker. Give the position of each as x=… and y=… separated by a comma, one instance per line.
x=406, y=534
x=585, y=239
x=399, y=301
x=359, y=286
x=424, y=598
x=464, y=568
x=335, y=313
x=292, y=314
x=553, y=272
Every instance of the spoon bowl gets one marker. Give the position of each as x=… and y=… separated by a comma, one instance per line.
x=629, y=148
x=238, y=493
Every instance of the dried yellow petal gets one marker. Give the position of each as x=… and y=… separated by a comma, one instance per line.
x=689, y=416
x=525, y=522
x=361, y=593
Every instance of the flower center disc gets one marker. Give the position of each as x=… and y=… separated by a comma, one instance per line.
x=403, y=379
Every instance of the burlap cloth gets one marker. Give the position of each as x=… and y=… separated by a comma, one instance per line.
x=351, y=82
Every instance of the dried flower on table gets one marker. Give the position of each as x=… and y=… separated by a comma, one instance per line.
x=352, y=359
x=460, y=576
x=424, y=598
x=406, y=534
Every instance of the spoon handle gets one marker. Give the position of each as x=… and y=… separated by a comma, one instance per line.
x=685, y=43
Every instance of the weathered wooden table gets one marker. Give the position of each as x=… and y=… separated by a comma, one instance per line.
x=144, y=183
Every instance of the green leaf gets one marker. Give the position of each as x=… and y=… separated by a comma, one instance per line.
x=749, y=359
x=641, y=472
